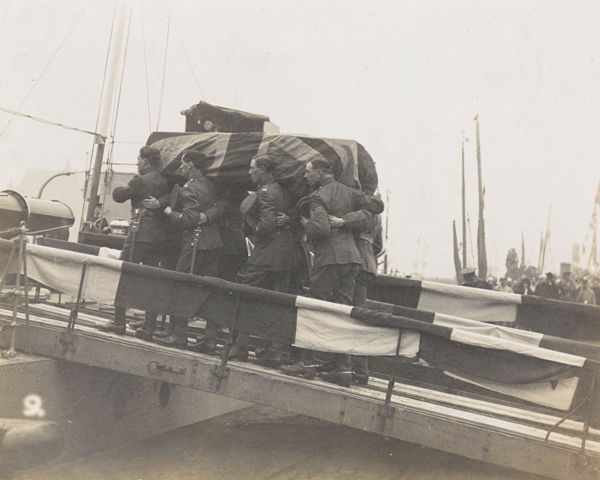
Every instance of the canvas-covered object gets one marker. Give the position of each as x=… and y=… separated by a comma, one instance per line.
x=229, y=156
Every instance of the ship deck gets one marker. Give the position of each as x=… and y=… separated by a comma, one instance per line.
x=505, y=435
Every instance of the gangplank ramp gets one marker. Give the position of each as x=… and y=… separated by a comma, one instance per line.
x=485, y=431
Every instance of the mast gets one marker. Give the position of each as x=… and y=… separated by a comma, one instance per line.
x=522, y=251
x=464, y=208
x=387, y=218
x=457, y=266
x=545, y=243
x=481, y=251
x=106, y=107
x=593, y=260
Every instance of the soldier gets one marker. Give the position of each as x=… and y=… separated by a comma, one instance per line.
x=146, y=245
x=202, y=243
x=336, y=258
x=273, y=256
x=471, y=280
x=369, y=242
x=225, y=213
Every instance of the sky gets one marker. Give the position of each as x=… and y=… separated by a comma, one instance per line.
x=405, y=79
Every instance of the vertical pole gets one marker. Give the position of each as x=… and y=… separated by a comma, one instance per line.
x=392, y=382
x=13, y=324
x=75, y=311
x=481, y=250
x=26, y=286
x=107, y=101
x=464, y=209
x=387, y=219
x=220, y=373
x=592, y=401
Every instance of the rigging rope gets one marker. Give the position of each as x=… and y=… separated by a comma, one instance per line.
x=112, y=29
x=116, y=114
x=48, y=122
x=43, y=71
x=188, y=60
x=162, y=88
x=146, y=70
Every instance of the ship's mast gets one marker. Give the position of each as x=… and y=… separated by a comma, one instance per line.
x=105, y=111
x=481, y=250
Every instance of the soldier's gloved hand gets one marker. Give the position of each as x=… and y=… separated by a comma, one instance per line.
x=281, y=219
x=167, y=210
x=151, y=203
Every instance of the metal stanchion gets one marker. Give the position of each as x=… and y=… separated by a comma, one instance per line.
x=11, y=352
x=392, y=381
x=75, y=311
x=221, y=371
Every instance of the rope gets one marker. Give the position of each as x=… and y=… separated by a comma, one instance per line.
x=188, y=60
x=162, y=88
x=48, y=122
x=146, y=69
x=42, y=74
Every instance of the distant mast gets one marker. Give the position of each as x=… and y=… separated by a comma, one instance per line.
x=481, y=251
x=457, y=266
x=106, y=108
x=464, y=208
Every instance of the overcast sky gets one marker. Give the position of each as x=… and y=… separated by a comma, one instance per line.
x=405, y=79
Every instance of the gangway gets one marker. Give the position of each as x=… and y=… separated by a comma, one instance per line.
x=504, y=435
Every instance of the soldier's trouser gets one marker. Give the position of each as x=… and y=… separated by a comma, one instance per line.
x=145, y=253
x=333, y=283
x=206, y=264
x=363, y=281
x=257, y=276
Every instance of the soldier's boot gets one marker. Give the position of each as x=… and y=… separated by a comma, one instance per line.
x=146, y=331
x=303, y=368
x=167, y=330
x=360, y=369
x=239, y=350
x=116, y=326
x=208, y=345
x=136, y=324
x=262, y=351
x=342, y=375
x=275, y=357
x=178, y=339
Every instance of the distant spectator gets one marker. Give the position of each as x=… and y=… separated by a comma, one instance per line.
x=548, y=288
x=471, y=279
x=566, y=287
x=523, y=287
x=586, y=294
x=503, y=286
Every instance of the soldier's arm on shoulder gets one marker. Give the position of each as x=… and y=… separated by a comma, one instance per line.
x=126, y=192
x=361, y=217
x=318, y=225
x=358, y=220
x=190, y=215
x=267, y=212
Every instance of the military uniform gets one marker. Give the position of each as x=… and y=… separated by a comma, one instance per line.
x=226, y=214
x=271, y=260
x=198, y=195
x=336, y=261
x=151, y=234
x=273, y=255
x=336, y=258
x=152, y=230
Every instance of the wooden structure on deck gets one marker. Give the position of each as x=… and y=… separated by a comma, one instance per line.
x=517, y=438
